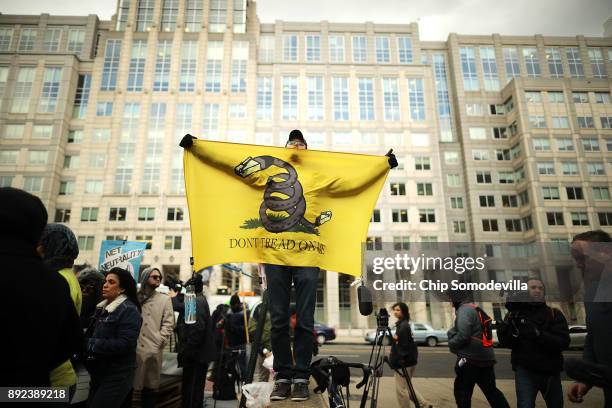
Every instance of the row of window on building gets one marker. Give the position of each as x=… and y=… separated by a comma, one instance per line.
x=598, y=193
x=118, y=214
x=523, y=224
x=289, y=95
x=52, y=39
x=193, y=13
x=563, y=122
x=517, y=176
x=535, y=97
x=363, y=49
x=505, y=251
x=171, y=242
x=598, y=97
x=589, y=145
x=555, y=58
x=22, y=89
x=536, y=122
x=401, y=242
x=553, y=218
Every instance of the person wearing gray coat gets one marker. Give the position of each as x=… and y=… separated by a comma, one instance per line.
x=157, y=327
x=475, y=355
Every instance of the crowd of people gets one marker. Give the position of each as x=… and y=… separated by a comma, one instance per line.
x=102, y=336
x=536, y=333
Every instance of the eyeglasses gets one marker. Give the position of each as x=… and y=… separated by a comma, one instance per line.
x=156, y=277
x=296, y=143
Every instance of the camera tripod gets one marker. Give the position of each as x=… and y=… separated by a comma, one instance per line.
x=377, y=360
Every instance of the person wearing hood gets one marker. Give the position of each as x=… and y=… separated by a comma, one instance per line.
x=196, y=347
x=111, y=339
x=537, y=335
x=45, y=311
x=157, y=327
x=58, y=248
x=235, y=331
x=469, y=340
x=91, y=282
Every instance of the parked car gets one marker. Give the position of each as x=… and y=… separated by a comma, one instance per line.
x=423, y=333
x=577, y=336
x=370, y=336
x=324, y=333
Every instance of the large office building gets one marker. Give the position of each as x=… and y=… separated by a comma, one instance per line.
x=499, y=138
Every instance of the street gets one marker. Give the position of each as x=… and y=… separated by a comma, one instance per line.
x=434, y=362
x=434, y=379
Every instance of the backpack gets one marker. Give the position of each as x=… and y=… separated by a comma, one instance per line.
x=486, y=337
x=224, y=387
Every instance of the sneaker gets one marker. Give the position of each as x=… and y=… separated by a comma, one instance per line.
x=300, y=392
x=281, y=391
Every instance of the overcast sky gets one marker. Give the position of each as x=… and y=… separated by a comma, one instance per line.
x=436, y=18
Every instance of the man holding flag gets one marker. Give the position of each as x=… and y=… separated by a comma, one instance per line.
x=306, y=183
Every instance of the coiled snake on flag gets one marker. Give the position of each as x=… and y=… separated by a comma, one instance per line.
x=293, y=203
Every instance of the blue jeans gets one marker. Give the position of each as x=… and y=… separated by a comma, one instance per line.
x=528, y=384
x=279, y=280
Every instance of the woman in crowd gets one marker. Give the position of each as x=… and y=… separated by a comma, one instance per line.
x=158, y=325
x=404, y=354
x=91, y=282
x=58, y=248
x=111, y=341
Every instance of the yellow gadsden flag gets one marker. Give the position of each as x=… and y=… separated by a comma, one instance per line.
x=281, y=206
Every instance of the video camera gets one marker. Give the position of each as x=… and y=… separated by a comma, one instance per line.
x=517, y=301
x=520, y=307
x=382, y=318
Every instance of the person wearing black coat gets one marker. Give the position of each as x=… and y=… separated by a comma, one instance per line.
x=111, y=339
x=41, y=322
x=196, y=348
x=537, y=335
x=592, y=253
x=404, y=353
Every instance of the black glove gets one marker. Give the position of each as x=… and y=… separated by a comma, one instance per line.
x=392, y=159
x=187, y=141
x=501, y=326
x=528, y=330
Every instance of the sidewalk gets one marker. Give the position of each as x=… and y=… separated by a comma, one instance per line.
x=439, y=391
x=315, y=401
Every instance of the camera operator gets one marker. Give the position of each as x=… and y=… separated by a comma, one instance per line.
x=537, y=334
x=404, y=353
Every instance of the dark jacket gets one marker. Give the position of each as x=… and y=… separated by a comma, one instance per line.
x=598, y=343
x=538, y=350
x=112, y=338
x=234, y=328
x=464, y=339
x=196, y=343
x=41, y=325
x=404, y=351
